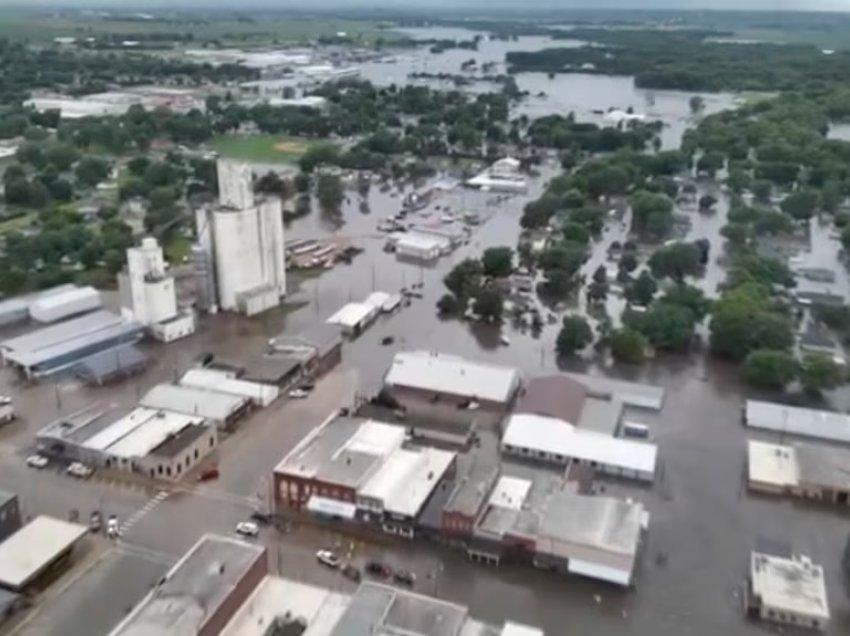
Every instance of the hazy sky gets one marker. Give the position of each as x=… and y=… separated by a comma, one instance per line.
x=774, y=5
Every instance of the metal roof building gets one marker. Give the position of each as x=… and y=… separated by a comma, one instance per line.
x=111, y=365
x=201, y=593
x=213, y=406
x=139, y=432
x=64, y=303
x=34, y=548
x=556, y=441
x=319, y=339
x=62, y=345
x=441, y=373
x=793, y=420
x=222, y=382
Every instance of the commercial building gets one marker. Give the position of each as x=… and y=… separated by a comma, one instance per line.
x=593, y=536
x=353, y=319
x=334, y=461
x=10, y=514
x=202, y=592
x=417, y=246
x=260, y=395
x=148, y=294
x=397, y=492
x=273, y=369
x=787, y=589
x=794, y=420
x=221, y=409
x=801, y=470
x=318, y=347
x=555, y=441
x=450, y=388
x=63, y=345
x=470, y=493
x=561, y=397
x=64, y=303
x=180, y=452
x=43, y=544
x=242, y=242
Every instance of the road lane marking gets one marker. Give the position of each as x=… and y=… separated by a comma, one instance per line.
x=137, y=516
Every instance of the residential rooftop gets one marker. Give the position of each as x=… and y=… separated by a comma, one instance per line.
x=793, y=584
x=193, y=589
x=453, y=375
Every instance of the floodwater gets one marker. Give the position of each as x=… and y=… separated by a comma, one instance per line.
x=581, y=94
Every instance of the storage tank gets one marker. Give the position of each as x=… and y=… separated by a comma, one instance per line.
x=65, y=303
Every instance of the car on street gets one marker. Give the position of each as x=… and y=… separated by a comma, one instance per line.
x=352, y=573
x=247, y=529
x=208, y=474
x=37, y=461
x=387, y=340
x=297, y=394
x=404, y=577
x=113, y=530
x=262, y=518
x=378, y=569
x=79, y=469
x=328, y=558
x=95, y=521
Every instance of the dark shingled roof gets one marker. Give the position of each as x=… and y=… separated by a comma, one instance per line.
x=557, y=396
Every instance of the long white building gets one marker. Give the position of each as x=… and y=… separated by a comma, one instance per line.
x=243, y=240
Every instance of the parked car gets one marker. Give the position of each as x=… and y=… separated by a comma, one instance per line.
x=208, y=474
x=328, y=558
x=387, y=340
x=204, y=359
x=113, y=530
x=297, y=394
x=351, y=572
x=263, y=518
x=377, y=569
x=37, y=461
x=79, y=469
x=95, y=521
x=404, y=577
x=247, y=529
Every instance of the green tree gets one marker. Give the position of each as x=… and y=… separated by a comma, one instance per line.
x=769, y=369
x=628, y=262
x=801, y=205
x=575, y=334
x=665, y=326
x=317, y=155
x=627, y=345
x=329, y=191
x=743, y=320
x=31, y=153
x=464, y=278
x=448, y=305
x=819, y=372
x=138, y=166
x=710, y=162
x=302, y=182
x=91, y=170
x=576, y=233
x=642, y=290
x=762, y=189
x=690, y=297
x=676, y=261
x=497, y=262
x=62, y=156
x=488, y=304
x=653, y=213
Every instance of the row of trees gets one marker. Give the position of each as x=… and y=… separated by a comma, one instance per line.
x=470, y=285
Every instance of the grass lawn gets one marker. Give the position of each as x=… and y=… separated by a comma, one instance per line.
x=17, y=223
x=177, y=250
x=261, y=148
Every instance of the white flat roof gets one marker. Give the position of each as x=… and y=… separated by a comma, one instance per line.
x=515, y=629
x=419, y=240
x=793, y=585
x=453, y=375
x=352, y=314
x=211, y=405
x=510, y=492
x=772, y=465
x=65, y=297
x=141, y=431
x=554, y=436
x=33, y=548
x=376, y=299
x=794, y=420
x=275, y=597
x=407, y=478
x=224, y=383
x=376, y=438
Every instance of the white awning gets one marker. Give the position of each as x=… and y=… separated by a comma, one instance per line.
x=600, y=572
x=331, y=507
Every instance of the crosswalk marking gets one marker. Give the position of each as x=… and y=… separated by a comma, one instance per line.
x=143, y=552
x=137, y=516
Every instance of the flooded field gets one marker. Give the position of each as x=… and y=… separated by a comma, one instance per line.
x=573, y=92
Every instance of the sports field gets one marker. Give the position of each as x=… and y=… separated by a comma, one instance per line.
x=261, y=148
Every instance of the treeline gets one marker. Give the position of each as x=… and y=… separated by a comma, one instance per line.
x=689, y=60
x=23, y=69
